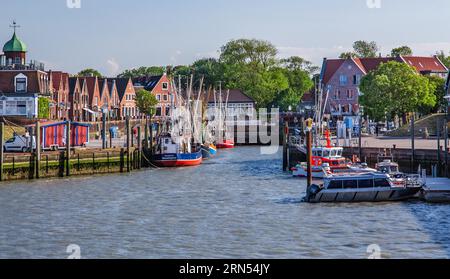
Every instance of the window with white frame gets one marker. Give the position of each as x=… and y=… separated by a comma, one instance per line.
x=20, y=82
x=343, y=80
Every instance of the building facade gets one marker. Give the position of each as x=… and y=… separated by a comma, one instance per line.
x=239, y=104
x=127, y=98
x=161, y=87
x=340, y=79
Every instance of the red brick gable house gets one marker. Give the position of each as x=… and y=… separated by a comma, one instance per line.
x=340, y=78
x=93, y=90
x=127, y=98
x=104, y=95
x=79, y=99
x=114, y=100
x=60, y=95
x=161, y=88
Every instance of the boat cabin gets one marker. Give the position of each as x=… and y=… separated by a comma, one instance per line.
x=387, y=166
x=329, y=155
x=363, y=181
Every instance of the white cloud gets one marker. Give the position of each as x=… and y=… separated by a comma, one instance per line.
x=113, y=67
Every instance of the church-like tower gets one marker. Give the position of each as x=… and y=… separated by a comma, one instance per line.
x=15, y=50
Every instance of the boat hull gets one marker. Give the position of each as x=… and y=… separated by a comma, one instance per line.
x=385, y=194
x=227, y=144
x=178, y=160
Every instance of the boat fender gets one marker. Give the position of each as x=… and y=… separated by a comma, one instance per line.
x=314, y=190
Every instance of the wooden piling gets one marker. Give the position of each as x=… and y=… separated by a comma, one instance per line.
x=309, y=156
x=68, y=146
x=104, y=130
x=38, y=150
x=122, y=159
x=413, y=148
x=2, y=135
x=439, y=150
x=285, y=147
x=146, y=134
x=139, y=147
x=127, y=127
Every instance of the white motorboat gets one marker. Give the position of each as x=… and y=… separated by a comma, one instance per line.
x=360, y=187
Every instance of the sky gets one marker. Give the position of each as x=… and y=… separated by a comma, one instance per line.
x=114, y=35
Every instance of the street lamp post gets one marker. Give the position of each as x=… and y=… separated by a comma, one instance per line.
x=446, y=132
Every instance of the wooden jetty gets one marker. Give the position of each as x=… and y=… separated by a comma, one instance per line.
x=436, y=191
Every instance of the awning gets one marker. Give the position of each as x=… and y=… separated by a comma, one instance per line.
x=90, y=111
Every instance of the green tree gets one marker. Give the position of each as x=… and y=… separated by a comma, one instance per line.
x=347, y=55
x=89, y=72
x=146, y=102
x=43, y=108
x=444, y=58
x=403, y=51
x=294, y=63
x=365, y=49
x=438, y=84
x=395, y=89
x=250, y=52
x=251, y=65
x=143, y=71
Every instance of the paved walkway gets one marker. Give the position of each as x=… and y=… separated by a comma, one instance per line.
x=388, y=142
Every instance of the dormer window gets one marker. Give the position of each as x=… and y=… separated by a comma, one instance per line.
x=20, y=82
x=165, y=86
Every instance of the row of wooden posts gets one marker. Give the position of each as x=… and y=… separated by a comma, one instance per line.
x=36, y=153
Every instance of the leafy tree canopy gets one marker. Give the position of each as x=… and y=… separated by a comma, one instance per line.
x=146, y=102
x=89, y=72
x=362, y=49
x=403, y=51
x=445, y=59
x=143, y=71
x=395, y=89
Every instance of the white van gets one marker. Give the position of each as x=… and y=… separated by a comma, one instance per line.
x=19, y=144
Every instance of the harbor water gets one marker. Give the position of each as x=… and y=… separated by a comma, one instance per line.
x=237, y=205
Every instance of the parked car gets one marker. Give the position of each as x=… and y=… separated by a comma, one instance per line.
x=19, y=144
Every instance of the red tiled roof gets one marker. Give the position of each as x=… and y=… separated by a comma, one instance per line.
x=421, y=64
x=56, y=79
x=236, y=96
x=331, y=66
x=370, y=64
x=425, y=64
x=90, y=83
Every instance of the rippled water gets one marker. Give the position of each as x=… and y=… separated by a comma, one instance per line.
x=238, y=205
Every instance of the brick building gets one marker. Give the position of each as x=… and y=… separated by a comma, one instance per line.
x=127, y=98
x=78, y=99
x=59, y=88
x=161, y=87
x=341, y=79
x=21, y=83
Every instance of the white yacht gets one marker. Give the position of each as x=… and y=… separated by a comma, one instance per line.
x=361, y=187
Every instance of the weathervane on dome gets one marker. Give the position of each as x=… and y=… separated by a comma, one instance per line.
x=15, y=26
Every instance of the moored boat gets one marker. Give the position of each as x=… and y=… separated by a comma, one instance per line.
x=366, y=187
x=169, y=153
x=225, y=144
x=177, y=159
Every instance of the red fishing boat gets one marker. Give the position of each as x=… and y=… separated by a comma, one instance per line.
x=226, y=144
x=170, y=153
